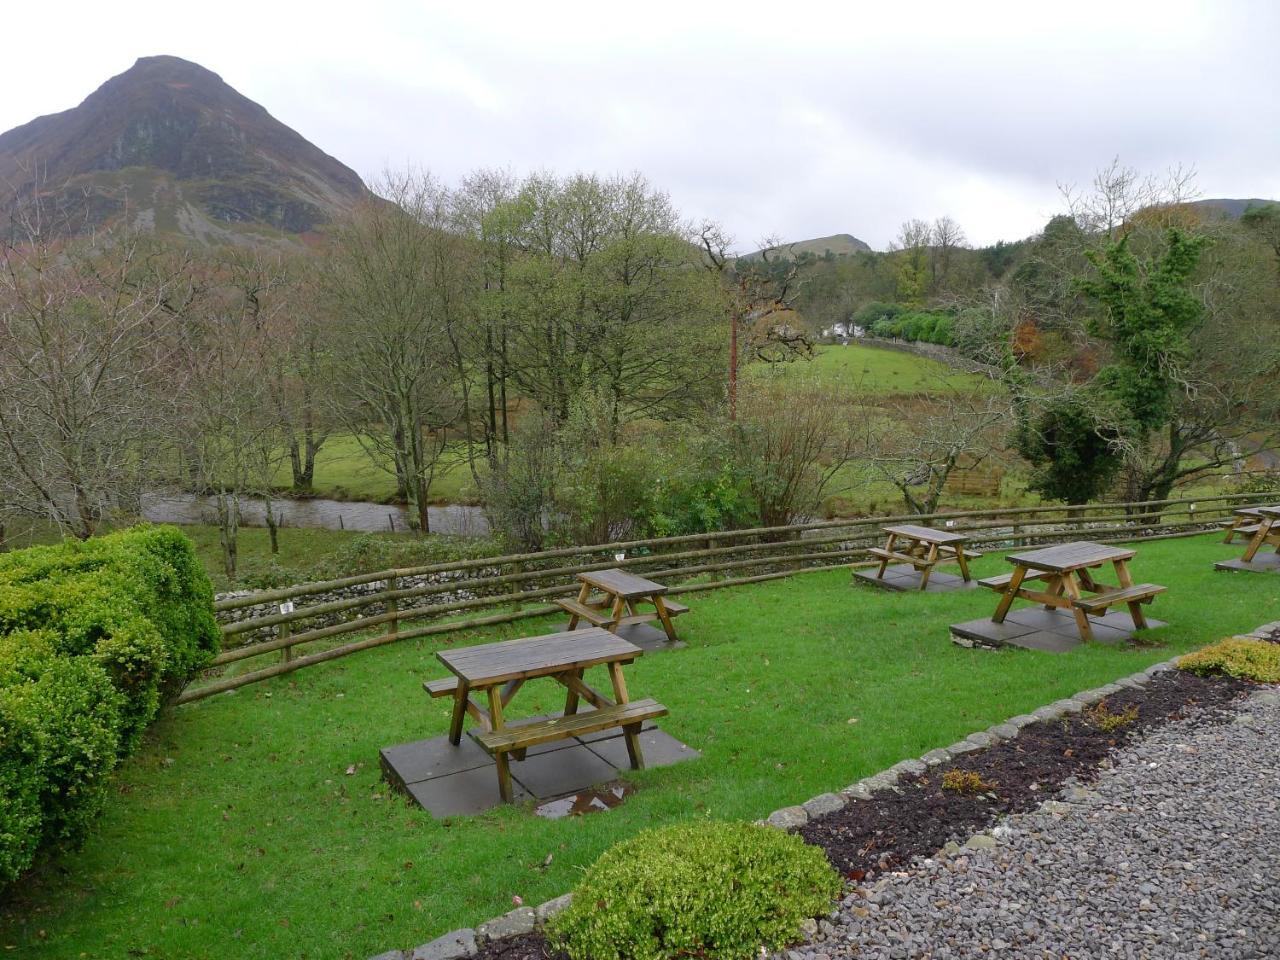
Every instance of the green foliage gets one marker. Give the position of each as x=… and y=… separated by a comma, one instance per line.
x=917, y=325
x=370, y=552
x=1241, y=657
x=1106, y=720
x=1071, y=457
x=713, y=890
x=93, y=635
x=966, y=782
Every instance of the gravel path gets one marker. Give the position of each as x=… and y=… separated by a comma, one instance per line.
x=1174, y=852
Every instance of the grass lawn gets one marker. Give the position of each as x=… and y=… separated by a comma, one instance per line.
x=236, y=831
x=874, y=370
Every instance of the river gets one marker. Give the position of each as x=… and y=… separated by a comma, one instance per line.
x=191, y=508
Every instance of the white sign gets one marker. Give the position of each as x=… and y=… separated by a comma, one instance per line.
x=286, y=607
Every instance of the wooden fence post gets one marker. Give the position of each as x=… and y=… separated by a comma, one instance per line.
x=286, y=652
x=393, y=605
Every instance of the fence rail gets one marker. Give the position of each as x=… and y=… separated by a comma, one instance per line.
x=269, y=622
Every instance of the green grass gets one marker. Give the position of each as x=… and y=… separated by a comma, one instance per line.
x=874, y=370
x=236, y=831
x=345, y=472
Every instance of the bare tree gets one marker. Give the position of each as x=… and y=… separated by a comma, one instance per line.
x=395, y=286
x=946, y=237
x=759, y=296
x=915, y=441
x=85, y=341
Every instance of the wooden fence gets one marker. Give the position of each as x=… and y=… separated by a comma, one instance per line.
x=394, y=602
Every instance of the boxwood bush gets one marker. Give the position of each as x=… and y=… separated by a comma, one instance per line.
x=718, y=891
x=1241, y=657
x=93, y=637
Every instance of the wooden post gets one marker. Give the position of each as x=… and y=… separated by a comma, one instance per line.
x=393, y=605
x=286, y=652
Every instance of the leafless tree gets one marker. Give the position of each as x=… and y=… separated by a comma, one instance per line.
x=85, y=339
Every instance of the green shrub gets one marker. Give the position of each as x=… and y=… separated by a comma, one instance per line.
x=93, y=637
x=1240, y=657
x=717, y=891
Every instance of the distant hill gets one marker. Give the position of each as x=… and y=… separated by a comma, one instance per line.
x=175, y=149
x=1226, y=207
x=840, y=245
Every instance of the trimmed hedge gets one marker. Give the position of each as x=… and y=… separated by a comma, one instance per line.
x=94, y=636
x=718, y=891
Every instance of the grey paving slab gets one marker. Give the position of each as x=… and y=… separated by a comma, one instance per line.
x=985, y=630
x=660, y=749
x=564, y=771
x=906, y=579
x=460, y=794
x=423, y=759
x=1054, y=631
x=1261, y=563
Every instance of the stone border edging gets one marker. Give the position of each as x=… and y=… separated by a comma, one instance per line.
x=459, y=944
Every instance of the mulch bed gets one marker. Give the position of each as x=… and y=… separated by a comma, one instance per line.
x=890, y=829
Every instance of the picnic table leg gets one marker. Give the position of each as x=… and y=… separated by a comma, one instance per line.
x=460, y=694
x=1054, y=589
x=665, y=617
x=1231, y=530
x=571, y=698
x=964, y=563
x=931, y=558
x=884, y=561
x=500, y=758
x=1259, y=538
x=1126, y=580
x=1010, y=593
x=619, y=608
x=582, y=598
x=1082, y=619
x=629, y=732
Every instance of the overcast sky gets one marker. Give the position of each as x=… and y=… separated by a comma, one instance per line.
x=796, y=119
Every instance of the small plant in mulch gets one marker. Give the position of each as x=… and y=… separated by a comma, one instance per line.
x=1240, y=657
x=967, y=782
x=708, y=890
x=1107, y=720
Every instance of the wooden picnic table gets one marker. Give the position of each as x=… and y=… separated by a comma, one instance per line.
x=1266, y=532
x=499, y=670
x=1244, y=521
x=616, y=602
x=923, y=548
x=1065, y=570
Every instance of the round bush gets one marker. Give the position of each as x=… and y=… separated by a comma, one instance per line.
x=717, y=891
x=1240, y=657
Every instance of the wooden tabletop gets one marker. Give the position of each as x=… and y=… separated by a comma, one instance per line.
x=926, y=534
x=1070, y=556
x=492, y=663
x=622, y=584
x=1254, y=511
x=1273, y=511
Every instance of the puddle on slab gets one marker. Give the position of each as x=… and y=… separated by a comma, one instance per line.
x=593, y=800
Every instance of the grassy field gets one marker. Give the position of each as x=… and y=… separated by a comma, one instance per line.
x=874, y=370
x=345, y=472
x=237, y=832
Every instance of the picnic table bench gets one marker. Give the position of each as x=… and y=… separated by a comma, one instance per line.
x=1065, y=571
x=617, y=599
x=923, y=548
x=1265, y=531
x=499, y=670
x=1244, y=522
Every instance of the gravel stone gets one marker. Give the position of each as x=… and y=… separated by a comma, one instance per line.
x=962, y=747
x=546, y=911
x=519, y=921
x=788, y=818
x=856, y=791
x=1022, y=720
x=390, y=955
x=452, y=946
x=935, y=757
x=1171, y=853
x=983, y=738
x=1003, y=731
x=823, y=804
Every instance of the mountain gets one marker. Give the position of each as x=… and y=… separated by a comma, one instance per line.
x=840, y=245
x=171, y=146
x=1226, y=207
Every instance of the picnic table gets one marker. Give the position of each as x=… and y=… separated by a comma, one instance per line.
x=1265, y=531
x=1244, y=521
x=1065, y=572
x=923, y=548
x=616, y=602
x=498, y=671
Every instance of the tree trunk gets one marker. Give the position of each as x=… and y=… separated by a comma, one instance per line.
x=229, y=530
x=273, y=528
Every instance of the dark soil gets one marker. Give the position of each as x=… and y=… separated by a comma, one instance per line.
x=891, y=829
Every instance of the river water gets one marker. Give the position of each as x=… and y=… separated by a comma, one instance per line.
x=191, y=508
